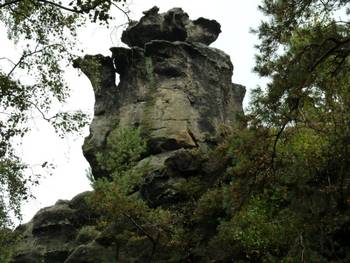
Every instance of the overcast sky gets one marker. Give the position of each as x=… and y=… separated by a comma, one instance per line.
x=69, y=177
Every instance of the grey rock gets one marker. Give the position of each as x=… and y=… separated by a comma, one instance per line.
x=164, y=89
x=51, y=236
x=164, y=172
x=173, y=25
x=177, y=89
x=46, y=238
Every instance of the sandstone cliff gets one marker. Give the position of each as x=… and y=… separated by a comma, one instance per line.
x=178, y=91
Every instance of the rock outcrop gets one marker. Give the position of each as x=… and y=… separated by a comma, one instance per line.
x=178, y=91
x=58, y=232
x=173, y=25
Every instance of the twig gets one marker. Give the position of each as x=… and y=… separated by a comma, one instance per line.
x=126, y=13
x=63, y=7
x=275, y=143
x=48, y=119
x=27, y=55
x=4, y=58
x=132, y=220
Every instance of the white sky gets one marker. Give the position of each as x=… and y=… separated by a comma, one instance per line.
x=69, y=177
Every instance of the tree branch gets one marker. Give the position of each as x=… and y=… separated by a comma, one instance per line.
x=48, y=119
x=61, y=6
x=9, y=60
x=338, y=44
x=81, y=11
x=274, y=149
x=126, y=13
x=27, y=55
x=7, y=3
x=132, y=220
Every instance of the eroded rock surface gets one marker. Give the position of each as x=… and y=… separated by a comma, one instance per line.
x=176, y=88
x=173, y=25
x=55, y=232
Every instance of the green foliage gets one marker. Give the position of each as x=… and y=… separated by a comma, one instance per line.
x=137, y=229
x=87, y=234
x=253, y=233
x=123, y=149
x=209, y=210
x=279, y=204
x=288, y=193
x=44, y=33
x=13, y=182
x=8, y=240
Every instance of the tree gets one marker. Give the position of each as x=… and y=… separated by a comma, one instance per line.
x=45, y=32
x=291, y=191
x=310, y=83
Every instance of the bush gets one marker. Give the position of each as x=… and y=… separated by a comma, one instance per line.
x=124, y=148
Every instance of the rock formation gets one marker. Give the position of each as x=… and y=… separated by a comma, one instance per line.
x=177, y=90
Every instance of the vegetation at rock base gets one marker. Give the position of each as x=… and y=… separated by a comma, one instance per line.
x=284, y=199
x=8, y=240
x=137, y=230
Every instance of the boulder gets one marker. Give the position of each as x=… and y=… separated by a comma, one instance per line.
x=165, y=173
x=51, y=236
x=173, y=25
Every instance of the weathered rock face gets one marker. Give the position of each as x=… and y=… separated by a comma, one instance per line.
x=176, y=88
x=178, y=91
x=57, y=232
x=173, y=25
